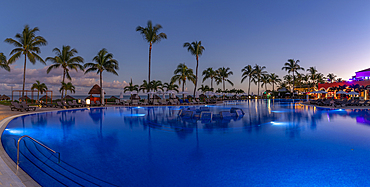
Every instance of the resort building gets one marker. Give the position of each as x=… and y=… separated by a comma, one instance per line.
x=359, y=83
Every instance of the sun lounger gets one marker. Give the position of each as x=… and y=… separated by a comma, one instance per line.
x=27, y=107
x=70, y=103
x=16, y=106
x=98, y=103
x=134, y=102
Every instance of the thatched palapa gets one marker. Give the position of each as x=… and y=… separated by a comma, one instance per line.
x=69, y=97
x=95, y=90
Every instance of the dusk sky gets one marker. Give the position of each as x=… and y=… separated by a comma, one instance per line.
x=333, y=36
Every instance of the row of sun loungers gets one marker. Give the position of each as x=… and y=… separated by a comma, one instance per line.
x=161, y=102
x=339, y=103
x=74, y=104
x=21, y=107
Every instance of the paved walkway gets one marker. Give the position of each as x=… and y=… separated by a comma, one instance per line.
x=7, y=166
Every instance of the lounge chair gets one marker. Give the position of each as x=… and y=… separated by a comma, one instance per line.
x=83, y=103
x=27, y=107
x=163, y=102
x=16, y=106
x=155, y=102
x=70, y=103
x=134, y=102
x=98, y=103
x=117, y=102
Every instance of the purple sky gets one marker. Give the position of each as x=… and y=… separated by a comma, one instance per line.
x=333, y=35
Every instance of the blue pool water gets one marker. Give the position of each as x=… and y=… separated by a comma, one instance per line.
x=276, y=143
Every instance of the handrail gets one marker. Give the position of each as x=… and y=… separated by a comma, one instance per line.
x=46, y=147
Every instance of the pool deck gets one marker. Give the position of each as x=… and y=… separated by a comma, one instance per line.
x=9, y=176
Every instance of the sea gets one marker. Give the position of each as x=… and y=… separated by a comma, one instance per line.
x=142, y=96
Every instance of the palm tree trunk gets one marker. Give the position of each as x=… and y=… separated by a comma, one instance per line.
x=211, y=84
x=64, y=75
x=258, y=89
x=273, y=87
x=249, y=85
x=38, y=92
x=150, y=56
x=293, y=82
x=196, y=77
x=183, y=87
x=24, y=74
x=101, y=86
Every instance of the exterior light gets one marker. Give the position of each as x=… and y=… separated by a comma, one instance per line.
x=88, y=101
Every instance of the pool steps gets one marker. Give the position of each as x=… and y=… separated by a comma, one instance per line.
x=38, y=160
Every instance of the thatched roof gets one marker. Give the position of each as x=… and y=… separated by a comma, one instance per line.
x=24, y=97
x=95, y=90
x=68, y=97
x=45, y=97
x=4, y=97
x=134, y=97
x=113, y=97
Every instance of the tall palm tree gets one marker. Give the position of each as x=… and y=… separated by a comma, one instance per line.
x=257, y=76
x=288, y=79
x=131, y=87
x=3, y=62
x=292, y=66
x=150, y=34
x=67, y=87
x=28, y=44
x=196, y=49
x=104, y=61
x=223, y=75
x=65, y=59
x=274, y=79
x=248, y=71
x=209, y=73
x=182, y=73
x=40, y=87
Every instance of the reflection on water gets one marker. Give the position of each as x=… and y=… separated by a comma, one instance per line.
x=148, y=144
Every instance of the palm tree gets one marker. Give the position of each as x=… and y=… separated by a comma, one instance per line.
x=223, y=75
x=209, y=73
x=131, y=87
x=265, y=79
x=66, y=60
x=156, y=85
x=171, y=86
x=182, y=72
x=331, y=77
x=205, y=88
x=292, y=66
x=151, y=35
x=145, y=87
x=196, y=49
x=288, y=79
x=257, y=76
x=40, y=87
x=104, y=61
x=248, y=71
x=28, y=44
x=67, y=87
x=3, y=62
x=274, y=79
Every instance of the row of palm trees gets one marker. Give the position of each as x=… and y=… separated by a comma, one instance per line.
x=28, y=44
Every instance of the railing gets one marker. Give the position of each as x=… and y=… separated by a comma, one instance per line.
x=46, y=147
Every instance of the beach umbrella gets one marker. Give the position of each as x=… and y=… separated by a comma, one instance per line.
x=322, y=92
x=121, y=95
x=353, y=93
x=209, y=93
x=342, y=92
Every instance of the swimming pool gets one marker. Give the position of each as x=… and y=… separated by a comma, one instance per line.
x=276, y=142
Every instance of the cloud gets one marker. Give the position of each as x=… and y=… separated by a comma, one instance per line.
x=82, y=82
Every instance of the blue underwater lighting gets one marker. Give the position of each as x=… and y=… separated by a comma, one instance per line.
x=15, y=131
x=279, y=123
x=134, y=115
